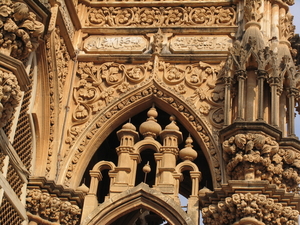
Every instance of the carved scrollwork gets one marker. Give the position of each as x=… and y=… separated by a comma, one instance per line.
x=52, y=208
x=258, y=156
x=19, y=30
x=163, y=16
x=10, y=96
x=257, y=206
x=100, y=85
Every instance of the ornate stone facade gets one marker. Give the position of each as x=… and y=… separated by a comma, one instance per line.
x=111, y=112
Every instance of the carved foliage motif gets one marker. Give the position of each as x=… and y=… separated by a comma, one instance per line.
x=100, y=85
x=286, y=27
x=127, y=102
x=62, y=62
x=10, y=96
x=252, y=10
x=257, y=156
x=163, y=16
x=19, y=30
x=249, y=205
x=52, y=208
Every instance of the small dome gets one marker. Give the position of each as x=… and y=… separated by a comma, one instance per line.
x=188, y=153
x=150, y=128
x=172, y=125
x=129, y=126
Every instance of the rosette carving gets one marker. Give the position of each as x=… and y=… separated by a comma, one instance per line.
x=19, y=30
x=257, y=206
x=10, y=96
x=257, y=156
x=163, y=16
x=50, y=208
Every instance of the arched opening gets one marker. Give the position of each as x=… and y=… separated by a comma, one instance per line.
x=107, y=152
x=147, y=156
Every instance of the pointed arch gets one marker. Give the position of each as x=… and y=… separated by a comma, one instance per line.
x=141, y=196
x=133, y=103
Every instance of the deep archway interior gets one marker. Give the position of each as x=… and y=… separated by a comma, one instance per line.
x=107, y=152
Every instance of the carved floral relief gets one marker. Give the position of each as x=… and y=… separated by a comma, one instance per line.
x=51, y=208
x=163, y=16
x=254, y=156
x=20, y=32
x=100, y=85
x=257, y=206
x=10, y=96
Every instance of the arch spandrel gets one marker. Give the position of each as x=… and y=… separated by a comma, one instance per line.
x=141, y=196
x=103, y=124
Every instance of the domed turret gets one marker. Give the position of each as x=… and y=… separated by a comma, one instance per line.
x=188, y=153
x=129, y=126
x=150, y=128
x=171, y=135
x=128, y=135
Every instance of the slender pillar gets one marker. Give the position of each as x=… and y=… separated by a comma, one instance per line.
x=261, y=75
x=227, y=106
x=241, y=76
x=291, y=107
x=275, y=93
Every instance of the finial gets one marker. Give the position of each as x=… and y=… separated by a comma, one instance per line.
x=146, y=170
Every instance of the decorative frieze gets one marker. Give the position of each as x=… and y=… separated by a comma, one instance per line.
x=200, y=43
x=43, y=206
x=258, y=206
x=163, y=16
x=67, y=19
x=115, y=44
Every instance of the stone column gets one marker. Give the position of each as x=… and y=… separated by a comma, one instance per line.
x=274, y=83
x=227, y=104
x=241, y=76
x=261, y=75
x=91, y=200
x=275, y=21
x=291, y=114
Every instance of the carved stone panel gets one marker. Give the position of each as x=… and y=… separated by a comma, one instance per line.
x=115, y=44
x=200, y=44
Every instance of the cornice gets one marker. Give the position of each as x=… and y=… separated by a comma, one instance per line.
x=59, y=190
x=17, y=68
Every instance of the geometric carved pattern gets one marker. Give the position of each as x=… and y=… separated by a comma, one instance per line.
x=14, y=180
x=23, y=134
x=8, y=215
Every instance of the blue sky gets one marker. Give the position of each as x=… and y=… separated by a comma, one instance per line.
x=295, y=10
